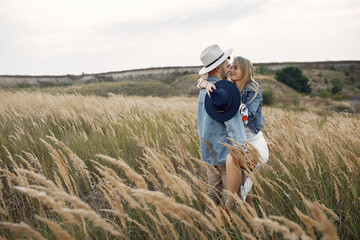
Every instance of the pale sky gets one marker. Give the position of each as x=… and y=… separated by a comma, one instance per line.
x=58, y=37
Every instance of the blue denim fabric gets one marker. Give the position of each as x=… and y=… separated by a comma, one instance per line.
x=256, y=120
x=215, y=133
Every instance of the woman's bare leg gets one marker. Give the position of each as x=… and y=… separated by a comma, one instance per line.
x=233, y=178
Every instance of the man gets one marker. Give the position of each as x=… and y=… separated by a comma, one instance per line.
x=218, y=118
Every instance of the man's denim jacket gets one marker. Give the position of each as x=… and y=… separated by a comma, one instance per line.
x=213, y=133
x=256, y=120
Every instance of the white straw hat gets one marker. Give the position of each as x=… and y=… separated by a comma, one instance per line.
x=212, y=57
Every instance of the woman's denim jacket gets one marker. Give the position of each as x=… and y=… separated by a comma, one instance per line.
x=256, y=120
x=212, y=133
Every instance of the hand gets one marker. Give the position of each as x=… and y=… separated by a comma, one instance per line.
x=209, y=88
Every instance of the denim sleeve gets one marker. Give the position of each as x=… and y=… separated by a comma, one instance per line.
x=235, y=129
x=254, y=105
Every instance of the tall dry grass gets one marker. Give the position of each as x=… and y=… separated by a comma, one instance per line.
x=75, y=167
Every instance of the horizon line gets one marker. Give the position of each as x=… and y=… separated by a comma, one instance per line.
x=167, y=67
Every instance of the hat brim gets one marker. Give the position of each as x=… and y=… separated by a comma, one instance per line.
x=235, y=103
x=217, y=63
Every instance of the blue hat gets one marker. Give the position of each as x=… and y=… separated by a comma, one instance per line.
x=224, y=102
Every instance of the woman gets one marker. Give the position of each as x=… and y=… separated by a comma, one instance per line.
x=242, y=74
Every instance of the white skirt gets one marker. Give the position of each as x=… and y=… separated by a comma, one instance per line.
x=258, y=141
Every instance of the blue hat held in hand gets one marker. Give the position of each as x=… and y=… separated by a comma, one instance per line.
x=224, y=102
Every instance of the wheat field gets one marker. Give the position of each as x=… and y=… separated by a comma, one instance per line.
x=87, y=167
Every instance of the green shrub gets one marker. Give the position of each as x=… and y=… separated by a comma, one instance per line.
x=338, y=97
x=337, y=85
x=268, y=97
x=336, y=89
x=295, y=101
x=293, y=77
x=350, y=80
x=47, y=84
x=23, y=85
x=321, y=93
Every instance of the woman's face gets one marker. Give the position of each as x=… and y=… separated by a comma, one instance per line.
x=235, y=72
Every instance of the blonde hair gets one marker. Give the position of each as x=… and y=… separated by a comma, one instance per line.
x=248, y=76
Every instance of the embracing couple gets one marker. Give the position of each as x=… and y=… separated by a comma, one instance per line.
x=229, y=109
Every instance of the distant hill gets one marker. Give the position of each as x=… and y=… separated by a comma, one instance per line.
x=176, y=81
x=13, y=81
x=23, y=81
